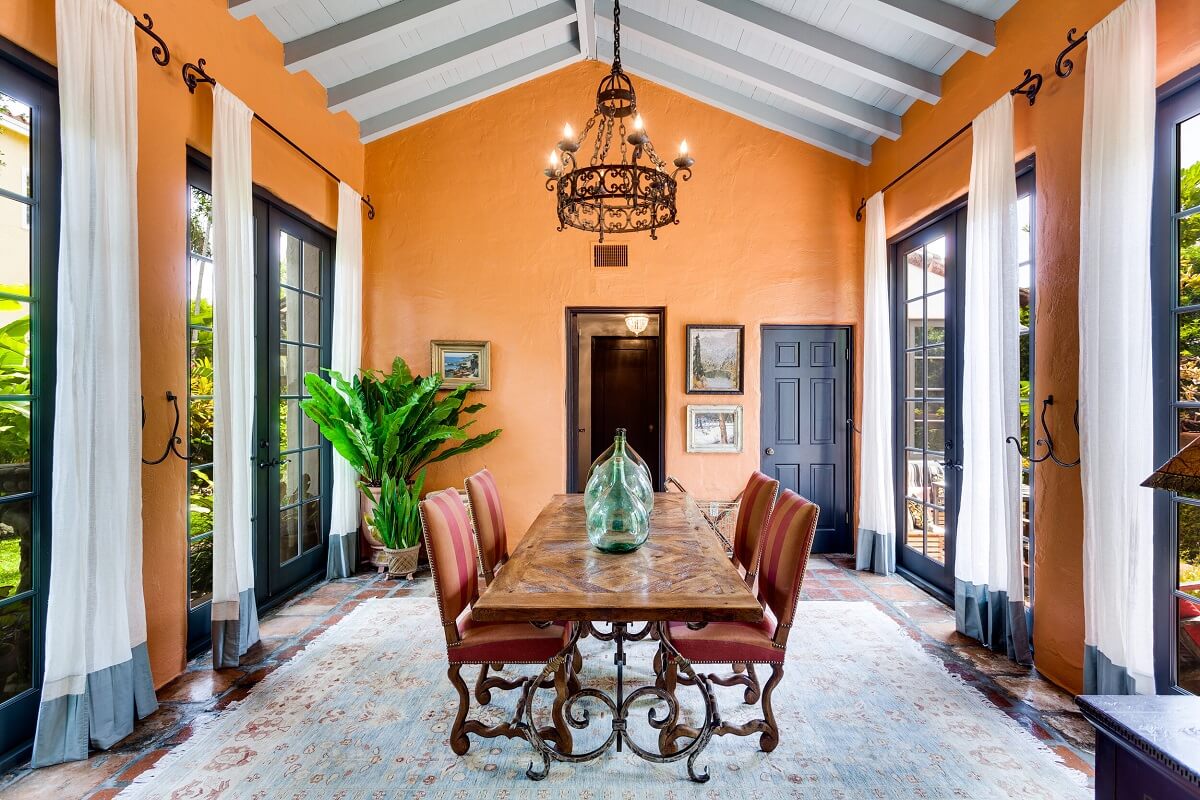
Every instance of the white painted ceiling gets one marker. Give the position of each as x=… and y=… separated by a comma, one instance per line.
x=834, y=73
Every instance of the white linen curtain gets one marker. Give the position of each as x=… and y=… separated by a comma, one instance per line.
x=234, y=613
x=876, y=486
x=989, y=581
x=1116, y=411
x=97, y=674
x=345, y=359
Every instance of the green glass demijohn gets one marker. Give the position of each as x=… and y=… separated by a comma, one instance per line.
x=601, y=473
x=618, y=522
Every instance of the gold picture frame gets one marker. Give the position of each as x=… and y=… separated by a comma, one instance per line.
x=461, y=362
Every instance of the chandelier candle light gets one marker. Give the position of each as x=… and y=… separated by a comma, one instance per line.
x=625, y=191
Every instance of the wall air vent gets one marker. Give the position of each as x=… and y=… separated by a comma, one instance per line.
x=610, y=255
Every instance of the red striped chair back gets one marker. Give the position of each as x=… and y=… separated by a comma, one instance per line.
x=451, y=549
x=483, y=500
x=785, y=549
x=754, y=510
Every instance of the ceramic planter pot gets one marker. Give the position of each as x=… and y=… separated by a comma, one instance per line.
x=372, y=548
x=402, y=563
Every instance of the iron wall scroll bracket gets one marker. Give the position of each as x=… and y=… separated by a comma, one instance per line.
x=1051, y=453
x=160, y=52
x=1063, y=66
x=174, y=441
x=1030, y=85
x=194, y=75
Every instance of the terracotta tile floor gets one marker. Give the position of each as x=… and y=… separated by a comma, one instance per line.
x=199, y=695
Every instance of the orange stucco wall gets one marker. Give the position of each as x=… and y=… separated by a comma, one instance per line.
x=465, y=247
x=246, y=59
x=1031, y=35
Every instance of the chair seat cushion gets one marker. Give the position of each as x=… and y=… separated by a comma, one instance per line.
x=727, y=642
x=505, y=642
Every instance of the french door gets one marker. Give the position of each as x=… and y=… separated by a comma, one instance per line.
x=294, y=464
x=29, y=213
x=292, y=469
x=927, y=288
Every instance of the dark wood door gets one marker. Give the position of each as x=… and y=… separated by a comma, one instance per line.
x=625, y=384
x=804, y=423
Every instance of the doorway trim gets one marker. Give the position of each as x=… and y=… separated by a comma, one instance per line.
x=851, y=408
x=573, y=313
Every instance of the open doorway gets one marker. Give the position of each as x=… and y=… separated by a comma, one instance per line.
x=615, y=379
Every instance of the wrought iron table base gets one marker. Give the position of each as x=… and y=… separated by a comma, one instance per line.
x=621, y=705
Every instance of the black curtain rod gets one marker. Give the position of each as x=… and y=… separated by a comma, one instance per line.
x=194, y=75
x=1029, y=86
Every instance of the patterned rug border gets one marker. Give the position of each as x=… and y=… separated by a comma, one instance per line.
x=298, y=663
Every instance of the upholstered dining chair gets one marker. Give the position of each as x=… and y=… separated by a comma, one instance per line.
x=452, y=560
x=487, y=517
x=758, y=499
x=785, y=549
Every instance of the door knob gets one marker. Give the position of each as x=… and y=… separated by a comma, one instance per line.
x=770, y=451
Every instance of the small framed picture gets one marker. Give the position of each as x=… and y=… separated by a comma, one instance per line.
x=714, y=429
x=715, y=359
x=461, y=363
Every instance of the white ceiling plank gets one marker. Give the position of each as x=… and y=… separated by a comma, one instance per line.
x=741, y=105
x=368, y=29
x=940, y=20
x=373, y=84
x=777, y=81
x=585, y=11
x=821, y=44
x=248, y=8
x=477, y=88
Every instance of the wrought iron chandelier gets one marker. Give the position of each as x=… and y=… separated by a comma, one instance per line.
x=623, y=188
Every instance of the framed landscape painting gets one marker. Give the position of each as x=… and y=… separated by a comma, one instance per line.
x=714, y=429
x=461, y=363
x=715, y=359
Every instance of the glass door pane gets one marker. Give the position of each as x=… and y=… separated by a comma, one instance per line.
x=201, y=274
x=927, y=378
x=298, y=279
x=29, y=175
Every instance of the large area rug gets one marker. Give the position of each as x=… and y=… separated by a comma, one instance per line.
x=364, y=713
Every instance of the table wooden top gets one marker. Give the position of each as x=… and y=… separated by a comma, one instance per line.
x=681, y=573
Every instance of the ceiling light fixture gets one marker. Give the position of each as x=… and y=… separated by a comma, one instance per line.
x=615, y=192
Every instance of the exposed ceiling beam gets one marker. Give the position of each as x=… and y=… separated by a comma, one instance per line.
x=820, y=99
x=940, y=20
x=248, y=8
x=362, y=31
x=460, y=94
x=740, y=105
x=458, y=51
x=585, y=11
x=830, y=48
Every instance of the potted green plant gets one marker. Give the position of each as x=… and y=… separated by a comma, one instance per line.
x=391, y=424
x=396, y=522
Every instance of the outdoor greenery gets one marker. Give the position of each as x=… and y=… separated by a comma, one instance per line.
x=392, y=423
x=1189, y=363
x=396, y=518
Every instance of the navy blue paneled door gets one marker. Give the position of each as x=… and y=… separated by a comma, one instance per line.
x=805, y=422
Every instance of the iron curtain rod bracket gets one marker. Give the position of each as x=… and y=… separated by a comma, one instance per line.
x=174, y=441
x=1063, y=66
x=160, y=52
x=1029, y=86
x=1047, y=442
x=195, y=74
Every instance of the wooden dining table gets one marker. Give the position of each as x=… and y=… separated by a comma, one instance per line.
x=681, y=574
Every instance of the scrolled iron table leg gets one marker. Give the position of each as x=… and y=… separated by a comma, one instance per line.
x=620, y=706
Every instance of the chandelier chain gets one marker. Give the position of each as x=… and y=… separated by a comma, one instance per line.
x=616, y=35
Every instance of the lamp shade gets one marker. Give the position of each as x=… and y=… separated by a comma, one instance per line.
x=1181, y=473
